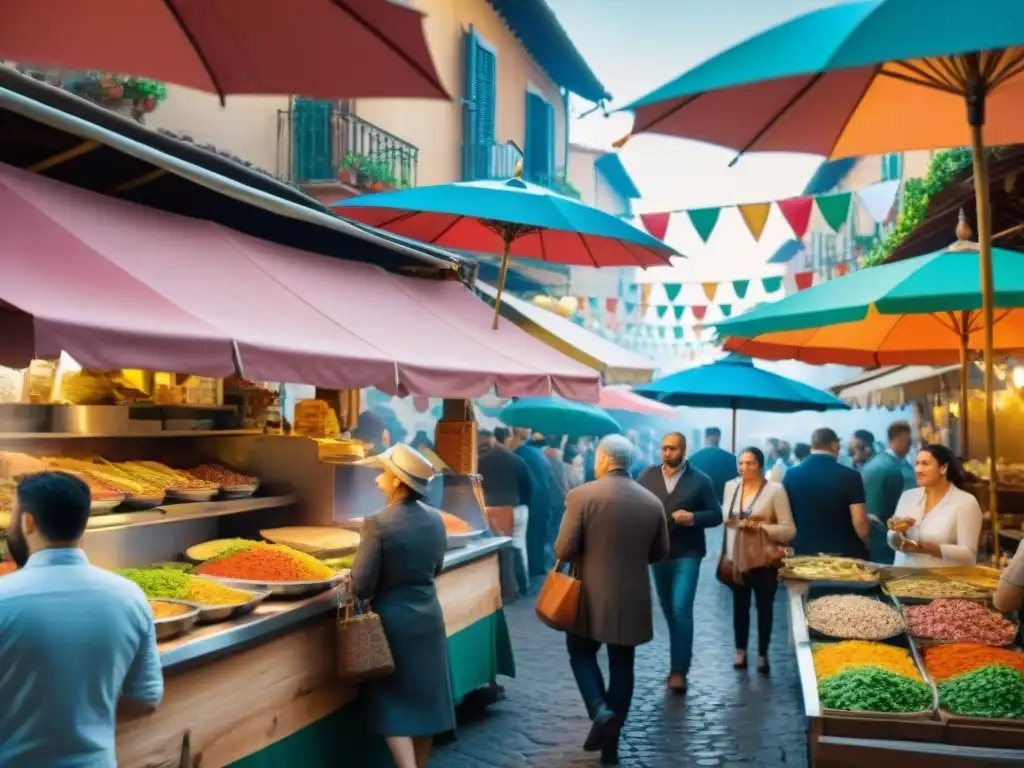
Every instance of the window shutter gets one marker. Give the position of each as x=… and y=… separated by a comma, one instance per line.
x=311, y=141
x=485, y=71
x=539, y=159
x=549, y=140
x=469, y=108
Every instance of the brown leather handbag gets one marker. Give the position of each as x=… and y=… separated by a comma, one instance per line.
x=558, y=603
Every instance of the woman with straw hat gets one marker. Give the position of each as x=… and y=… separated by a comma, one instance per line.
x=401, y=551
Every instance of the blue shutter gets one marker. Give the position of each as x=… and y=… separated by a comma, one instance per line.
x=478, y=109
x=549, y=131
x=539, y=162
x=312, y=141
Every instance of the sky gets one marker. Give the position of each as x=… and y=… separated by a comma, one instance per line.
x=634, y=46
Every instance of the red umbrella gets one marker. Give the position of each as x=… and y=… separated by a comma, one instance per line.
x=327, y=49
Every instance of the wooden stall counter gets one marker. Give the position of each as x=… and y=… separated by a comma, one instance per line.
x=261, y=690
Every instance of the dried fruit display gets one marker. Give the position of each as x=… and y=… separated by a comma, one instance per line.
x=959, y=620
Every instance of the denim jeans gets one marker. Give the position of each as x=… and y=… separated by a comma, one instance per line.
x=676, y=584
x=583, y=660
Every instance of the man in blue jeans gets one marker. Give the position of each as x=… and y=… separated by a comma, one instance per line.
x=690, y=506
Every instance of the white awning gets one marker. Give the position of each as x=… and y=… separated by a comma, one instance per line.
x=892, y=386
x=616, y=364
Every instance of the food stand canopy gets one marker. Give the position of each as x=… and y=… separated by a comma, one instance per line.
x=892, y=386
x=616, y=364
x=116, y=285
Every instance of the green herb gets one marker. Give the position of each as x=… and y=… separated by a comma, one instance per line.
x=173, y=565
x=871, y=689
x=994, y=691
x=340, y=563
x=157, y=583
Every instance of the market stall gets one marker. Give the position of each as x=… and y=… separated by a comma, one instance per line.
x=905, y=667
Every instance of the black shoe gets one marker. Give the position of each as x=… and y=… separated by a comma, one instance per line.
x=602, y=726
x=610, y=748
x=764, y=669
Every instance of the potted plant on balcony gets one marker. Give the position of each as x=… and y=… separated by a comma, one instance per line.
x=382, y=176
x=353, y=170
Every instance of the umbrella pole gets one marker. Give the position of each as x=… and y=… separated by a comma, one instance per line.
x=734, y=431
x=964, y=363
x=976, y=118
x=506, y=236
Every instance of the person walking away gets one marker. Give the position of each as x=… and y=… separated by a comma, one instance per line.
x=900, y=442
x=573, y=466
x=827, y=500
x=774, y=460
x=502, y=436
x=860, y=447
x=78, y=642
x=401, y=552
x=540, y=499
x=714, y=461
x=612, y=530
x=938, y=523
x=690, y=506
x=800, y=452
x=753, y=503
x=506, y=481
x=552, y=451
x=883, y=486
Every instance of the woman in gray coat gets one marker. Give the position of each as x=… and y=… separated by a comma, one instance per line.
x=401, y=551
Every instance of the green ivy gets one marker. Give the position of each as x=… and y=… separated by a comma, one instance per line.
x=917, y=193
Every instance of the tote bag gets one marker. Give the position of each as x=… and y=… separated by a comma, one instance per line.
x=361, y=647
x=558, y=603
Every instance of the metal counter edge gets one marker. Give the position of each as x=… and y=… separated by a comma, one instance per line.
x=262, y=628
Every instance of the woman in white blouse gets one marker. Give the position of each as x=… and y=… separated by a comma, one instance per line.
x=938, y=523
x=752, y=502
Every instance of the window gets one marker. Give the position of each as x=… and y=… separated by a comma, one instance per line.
x=312, y=140
x=539, y=161
x=892, y=166
x=478, y=108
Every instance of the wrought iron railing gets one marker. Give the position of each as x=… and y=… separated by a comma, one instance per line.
x=498, y=161
x=319, y=141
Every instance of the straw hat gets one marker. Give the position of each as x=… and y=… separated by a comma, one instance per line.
x=406, y=463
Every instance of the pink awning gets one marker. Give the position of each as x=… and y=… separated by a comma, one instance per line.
x=622, y=399
x=131, y=286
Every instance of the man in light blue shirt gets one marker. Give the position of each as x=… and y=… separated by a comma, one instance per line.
x=74, y=639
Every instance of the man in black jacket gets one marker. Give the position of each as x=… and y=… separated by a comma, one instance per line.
x=506, y=481
x=690, y=507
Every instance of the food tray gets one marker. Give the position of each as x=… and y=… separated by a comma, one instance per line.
x=238, y=491
x=462, y=540
x=950, y=718
x=143, y=502
x=281, y=588
x=105, y=505
x=211, y=613
x=785, y=575
x=815, y=634
x=192, y=494
x=173, y=626
x=922, y=640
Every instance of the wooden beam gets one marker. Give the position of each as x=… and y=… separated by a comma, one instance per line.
x=62, y=157
x=139, y=181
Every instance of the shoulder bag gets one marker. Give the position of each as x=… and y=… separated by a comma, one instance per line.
x=361, y=647
x=558, y=603
x=752, y=548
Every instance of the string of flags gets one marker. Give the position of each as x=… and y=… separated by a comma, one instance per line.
x=811, y=212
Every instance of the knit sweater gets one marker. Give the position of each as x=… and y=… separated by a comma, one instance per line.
x=693, y=493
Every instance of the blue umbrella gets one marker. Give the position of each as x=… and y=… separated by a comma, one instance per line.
x=558, y=416
x=735, y=383
x=511, y=217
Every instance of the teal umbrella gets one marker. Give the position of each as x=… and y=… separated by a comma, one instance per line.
x=558, y=416
x=735, y=383
x=511, y=217
x=866, y=78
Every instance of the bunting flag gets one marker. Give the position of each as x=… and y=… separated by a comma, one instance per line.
x=804, y=280
x=679, y=310
x=656, y=223
x=726, y=309
x=611, y=305
x=771, y=284
x=645, y=297
x=629, y=307
x=662, y=309
x=797, y=213
x=755, y=216
x=679, y=332
x=835, y=209
x=594, y=303
x=703, y=220
x=672, y=290
x=699, y=310
x=877, y=200
x=710, y=289
x=739, y=287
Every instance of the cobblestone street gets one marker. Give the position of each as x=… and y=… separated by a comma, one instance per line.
x=727, y=718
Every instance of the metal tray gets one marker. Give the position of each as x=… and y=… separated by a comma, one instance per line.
x=173, y=626
x=211, y=613
x=105, y=505
x=238, y=491
x=143, y=502
x=922, y=640
x=282, y=588
x=815, y=634
x=192, y=494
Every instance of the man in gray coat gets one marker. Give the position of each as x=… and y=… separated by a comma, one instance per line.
x=612, y=530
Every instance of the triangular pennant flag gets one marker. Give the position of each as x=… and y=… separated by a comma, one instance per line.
x=704, y=221
x=655, y=223
x=699, y=310
x=710, y=289
x=662, y=309
x=661, y=331
x=755, y=216
x=771, y=284
x=594, y=303
x=611, y=305
x=632, y=288
x=630, y=308
x=739, y=287
x=645, y=297
x=804, y=280
x=878, y=199
x=797, y=213
x=679, y=310
x=726, y=309
x=679, y=331
x=672, y=290
x=835, y=209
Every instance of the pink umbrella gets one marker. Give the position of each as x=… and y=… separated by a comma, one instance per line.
x=327, y=49
x=621, y=399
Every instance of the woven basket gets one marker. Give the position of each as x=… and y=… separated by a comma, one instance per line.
x=362, y=649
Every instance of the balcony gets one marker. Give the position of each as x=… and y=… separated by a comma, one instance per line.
x=491, y=161
x=320, y=142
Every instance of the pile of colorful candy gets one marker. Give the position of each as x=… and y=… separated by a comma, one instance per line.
x=959, y=620
x=869, y=677
x=977, y=680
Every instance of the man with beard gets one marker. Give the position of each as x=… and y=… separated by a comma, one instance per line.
x=690, y=506
x=73, y=638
